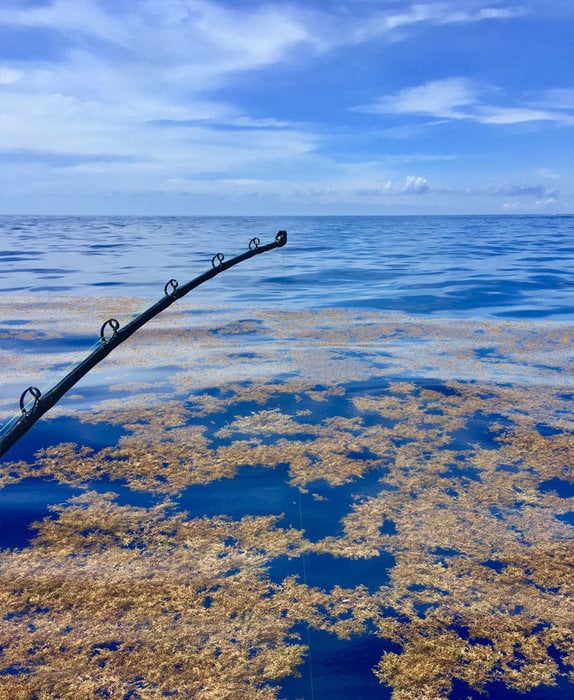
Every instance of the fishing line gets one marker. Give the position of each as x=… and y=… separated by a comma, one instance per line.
x=289, y=347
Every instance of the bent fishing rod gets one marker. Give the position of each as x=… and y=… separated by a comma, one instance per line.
x=111, y=335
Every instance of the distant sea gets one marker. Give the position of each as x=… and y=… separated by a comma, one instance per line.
x=452, y=266
x=341, y=469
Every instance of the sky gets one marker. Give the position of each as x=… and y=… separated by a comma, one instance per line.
x=302, y=107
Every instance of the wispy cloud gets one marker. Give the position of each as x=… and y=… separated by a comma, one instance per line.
x=510, y=190
x=421, y=186
x=437, y=98
x=557, y=99
x=519, y=115
x=133, y=87
x=197, y=33
x=403, y=17
x=9, y=76
x=412, y=184
x=460, y=98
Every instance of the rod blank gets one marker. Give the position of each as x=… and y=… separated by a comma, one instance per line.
x=112, y=334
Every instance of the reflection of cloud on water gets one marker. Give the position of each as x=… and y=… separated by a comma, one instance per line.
x=432, y=459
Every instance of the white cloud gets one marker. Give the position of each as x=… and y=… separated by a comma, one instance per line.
x=462, y=98
x=170, y=54
x=501, y=12
x=132, y=111
x=148, y=103
x=546, y=202
x=412, y=184
x=558, y=98
x=548, y=174
x=381, y=23
x=454, y=14
x=438, y=98
x=516, y=115
x=393, y=23
x=200, y=37
x=68, y=17
x=9, y=76
x=514, y=190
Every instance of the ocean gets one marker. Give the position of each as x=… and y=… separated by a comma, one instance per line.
x=342, y=468
x=468, y=266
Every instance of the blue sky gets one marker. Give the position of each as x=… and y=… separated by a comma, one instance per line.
x=325, y=107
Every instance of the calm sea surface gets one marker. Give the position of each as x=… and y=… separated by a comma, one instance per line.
x=342, y=469
x=500, y=266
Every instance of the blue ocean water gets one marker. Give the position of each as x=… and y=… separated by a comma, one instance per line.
x=447, y=268
x=453, y=266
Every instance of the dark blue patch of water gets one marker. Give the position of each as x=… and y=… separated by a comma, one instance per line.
x=19, y=257
x=497, y=566
x=107, y=284
x=488, y=353
x=568, y=518
x=547, y=430
x=326, y=571
x=15, y=289
x=437, y=386
x=511, y=469
x=29, y=501
x=26, y=502
x=563, y=488
x=322, y=518
x=462, y=473
x=478, y=430
x=47, y=432
x=421, y=609
x=556, y=311
x=445, y=552
x=254, y=490
x=60, y=288
x=14, y=670
x=258, y=490
x=336, y=668
x=68, y=343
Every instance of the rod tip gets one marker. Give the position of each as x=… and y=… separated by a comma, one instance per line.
x=281, y=238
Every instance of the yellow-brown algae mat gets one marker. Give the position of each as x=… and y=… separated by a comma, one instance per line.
x=463, y=429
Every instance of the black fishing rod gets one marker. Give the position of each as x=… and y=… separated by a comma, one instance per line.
x=111, y=335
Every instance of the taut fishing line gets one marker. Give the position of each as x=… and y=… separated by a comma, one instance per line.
x=288, y=352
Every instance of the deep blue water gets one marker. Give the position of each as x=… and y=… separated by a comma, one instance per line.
x=454, y=266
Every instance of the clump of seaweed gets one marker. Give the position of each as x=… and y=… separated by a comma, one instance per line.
x=113, y=599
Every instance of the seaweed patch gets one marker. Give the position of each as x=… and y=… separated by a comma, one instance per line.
x=443, y=478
